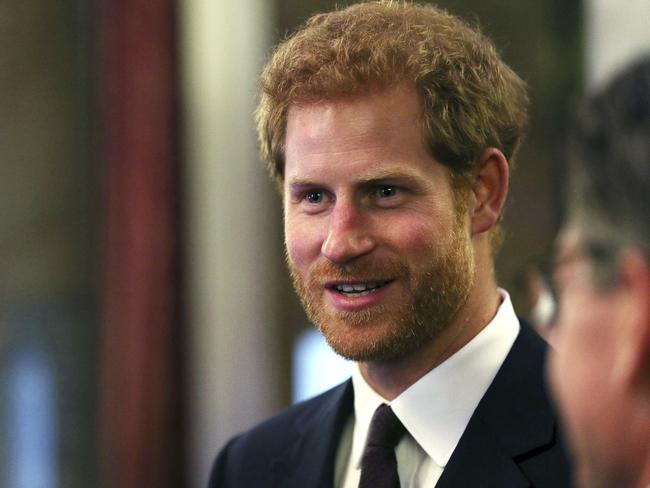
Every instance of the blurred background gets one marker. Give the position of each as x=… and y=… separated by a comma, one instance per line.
x=145, y=314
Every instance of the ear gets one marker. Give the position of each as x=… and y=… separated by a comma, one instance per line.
x=632, y=362
x=489, y=188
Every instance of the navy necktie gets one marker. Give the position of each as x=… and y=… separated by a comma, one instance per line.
x=379, y=464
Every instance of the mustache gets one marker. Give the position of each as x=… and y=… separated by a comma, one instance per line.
x=363, y=269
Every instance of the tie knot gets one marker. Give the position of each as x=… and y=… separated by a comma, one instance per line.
x=385, y=428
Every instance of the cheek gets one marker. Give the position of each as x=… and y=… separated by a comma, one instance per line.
x=302, y=243
x=567, y=374
x=571, y=359
x=566, y=366
x=412, y=237
x=580, y=365
x=573, y=355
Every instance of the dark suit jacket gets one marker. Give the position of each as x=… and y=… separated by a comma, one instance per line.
x=511, y=441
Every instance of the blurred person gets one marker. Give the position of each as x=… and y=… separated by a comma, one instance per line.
x=601, y=370
x=388, y=128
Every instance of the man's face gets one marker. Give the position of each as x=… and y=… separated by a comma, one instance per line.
x=379, y=255
x=582, y=368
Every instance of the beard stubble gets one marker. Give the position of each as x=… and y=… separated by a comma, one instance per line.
x=436, y=292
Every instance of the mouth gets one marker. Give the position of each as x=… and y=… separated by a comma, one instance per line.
x=358, y=289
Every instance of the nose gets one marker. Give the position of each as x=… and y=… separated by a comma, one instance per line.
x=349, y=235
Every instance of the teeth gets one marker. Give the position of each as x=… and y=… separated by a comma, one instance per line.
x=358, y=289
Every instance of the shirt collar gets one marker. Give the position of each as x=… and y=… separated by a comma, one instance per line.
x=436, y=409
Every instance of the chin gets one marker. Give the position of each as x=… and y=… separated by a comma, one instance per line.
x=383, y=341
x=359, y=342
x=371, y=353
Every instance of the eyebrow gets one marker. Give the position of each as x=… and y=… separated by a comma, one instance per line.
x=370, y=179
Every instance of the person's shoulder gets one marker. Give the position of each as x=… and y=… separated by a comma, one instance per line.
x=296, y=415
x=245, y=459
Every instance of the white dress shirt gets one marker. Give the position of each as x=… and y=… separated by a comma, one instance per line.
x=435, y=410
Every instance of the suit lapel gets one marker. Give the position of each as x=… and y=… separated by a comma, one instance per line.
x=309, y=462
x=479, y=461
x=512, y=423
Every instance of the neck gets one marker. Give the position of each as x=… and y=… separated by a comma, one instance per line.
x=390, y=378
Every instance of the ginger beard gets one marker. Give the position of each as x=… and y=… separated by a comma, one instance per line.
x=437, y=290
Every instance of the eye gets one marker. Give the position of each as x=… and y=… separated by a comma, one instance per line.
x=314, y=196
x=385, y=195
x=386, y=191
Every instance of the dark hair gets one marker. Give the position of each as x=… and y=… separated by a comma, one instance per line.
x=609, y=164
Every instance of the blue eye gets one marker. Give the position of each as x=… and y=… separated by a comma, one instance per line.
x=314, y=196
x=386, y=191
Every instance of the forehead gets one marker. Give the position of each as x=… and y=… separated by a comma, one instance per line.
x=374, y=126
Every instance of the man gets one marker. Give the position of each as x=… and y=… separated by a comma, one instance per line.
x=601, y=370
x=388, y=128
